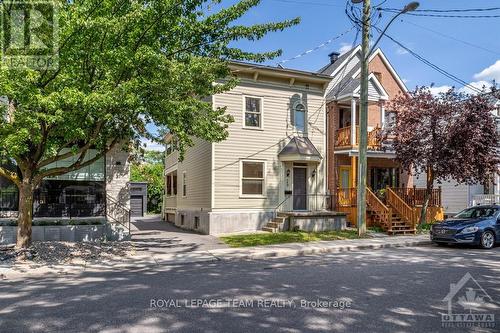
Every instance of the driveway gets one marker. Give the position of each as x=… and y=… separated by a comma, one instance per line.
x=152, y=235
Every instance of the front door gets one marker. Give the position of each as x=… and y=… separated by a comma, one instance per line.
x=299, y=189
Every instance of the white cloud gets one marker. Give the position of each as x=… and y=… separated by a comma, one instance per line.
x=345, y=47
x=484, y=79
x=150, y=145
x=477, y=84
x=490, y=73
x=401, y=51
x=440, y=89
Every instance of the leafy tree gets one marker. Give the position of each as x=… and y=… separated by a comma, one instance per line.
x=452, y=136
x=122, y=64
x=152, y=173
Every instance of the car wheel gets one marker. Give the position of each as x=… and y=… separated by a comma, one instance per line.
x=487, y=240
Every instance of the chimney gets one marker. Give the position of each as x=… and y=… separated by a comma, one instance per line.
x=333, y=57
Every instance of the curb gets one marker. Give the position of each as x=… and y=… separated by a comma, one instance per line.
x=263, y=253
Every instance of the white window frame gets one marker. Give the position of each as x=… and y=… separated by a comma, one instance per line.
x=184, y=184
x=261, y=113
x=264, y=179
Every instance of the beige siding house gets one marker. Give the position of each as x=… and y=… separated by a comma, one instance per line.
x=273, y=160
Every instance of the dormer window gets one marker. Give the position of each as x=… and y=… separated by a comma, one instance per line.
x=299, y=117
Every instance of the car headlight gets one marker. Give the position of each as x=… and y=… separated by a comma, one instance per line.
x=469, y=230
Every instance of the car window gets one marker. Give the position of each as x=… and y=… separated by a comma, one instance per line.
x=476, y=212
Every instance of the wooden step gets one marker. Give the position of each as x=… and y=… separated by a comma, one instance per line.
x=279, y=219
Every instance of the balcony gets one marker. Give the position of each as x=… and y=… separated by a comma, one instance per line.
x=344, y=138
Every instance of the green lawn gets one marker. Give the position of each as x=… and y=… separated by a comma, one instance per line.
x=287, y=237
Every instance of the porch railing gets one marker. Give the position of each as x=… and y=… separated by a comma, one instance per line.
x=343, y=138
x=383, y=212
x=305, y=202
x=346, y=197
x=485, y=199
x=9, y=200
x=401, y=207
x=414, y=196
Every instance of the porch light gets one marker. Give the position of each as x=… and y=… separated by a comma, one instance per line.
x=313, y=173
x=288, y=172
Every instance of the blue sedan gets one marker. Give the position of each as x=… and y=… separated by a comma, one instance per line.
x=479, y=225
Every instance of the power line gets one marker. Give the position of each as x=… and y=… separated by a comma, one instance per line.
x=430, y=64
x=317, y=47
x=448, y=10
x=454, y=38
x=444, y=16
x=309, y=3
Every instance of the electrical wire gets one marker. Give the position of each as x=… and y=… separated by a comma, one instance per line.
x=463, y=10
x=453, y=38
x=433, y=66
x=331, y=40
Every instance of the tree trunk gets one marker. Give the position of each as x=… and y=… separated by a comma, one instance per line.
x=427, y=195
x=25, y=217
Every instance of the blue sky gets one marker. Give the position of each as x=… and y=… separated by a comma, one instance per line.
x=324, y=19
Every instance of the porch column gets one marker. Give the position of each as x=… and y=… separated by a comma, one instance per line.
x=353, y=121
x=354, y=164
x=382, y=115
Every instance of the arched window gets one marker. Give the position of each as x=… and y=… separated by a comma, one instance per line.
x=299, y=116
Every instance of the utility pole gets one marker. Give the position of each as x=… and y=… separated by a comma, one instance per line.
x=363, y=106
x=363, y=120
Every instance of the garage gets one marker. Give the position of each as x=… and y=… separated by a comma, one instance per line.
x=136, y=205
x=138, y=198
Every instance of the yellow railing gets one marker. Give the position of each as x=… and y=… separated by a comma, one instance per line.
x=343, y=138
x=384, y=213
x=401, y=207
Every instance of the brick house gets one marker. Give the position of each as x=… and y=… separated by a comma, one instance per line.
x=343, y=103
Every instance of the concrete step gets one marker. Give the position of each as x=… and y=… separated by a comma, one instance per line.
x=272, y=224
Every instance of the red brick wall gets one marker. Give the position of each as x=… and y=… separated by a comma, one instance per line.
x=393, y=88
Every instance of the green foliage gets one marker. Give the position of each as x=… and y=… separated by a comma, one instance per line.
x=287, y=237
x=153, y=175
x=123, y=64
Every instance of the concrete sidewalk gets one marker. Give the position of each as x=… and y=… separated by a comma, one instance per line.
x=158, y=260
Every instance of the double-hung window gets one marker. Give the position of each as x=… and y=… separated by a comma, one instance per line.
x=253, y=112
x=252, y=178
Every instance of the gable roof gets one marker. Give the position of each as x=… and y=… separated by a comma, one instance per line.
x=349, y=82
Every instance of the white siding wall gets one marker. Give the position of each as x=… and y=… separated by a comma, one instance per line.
x=197, y=166
x=455, y=197
x=254, y=144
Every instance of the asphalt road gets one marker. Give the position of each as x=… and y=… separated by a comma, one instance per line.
x=391, y=290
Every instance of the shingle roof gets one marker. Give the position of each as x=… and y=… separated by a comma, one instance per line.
x=300, y=146
x=330, y=68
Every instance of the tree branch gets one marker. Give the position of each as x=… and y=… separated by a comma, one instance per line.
x=80, y=151
x=75, y=166
x=12, y=176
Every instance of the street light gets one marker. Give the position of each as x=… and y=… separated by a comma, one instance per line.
x=363, y=110
x=408, y=8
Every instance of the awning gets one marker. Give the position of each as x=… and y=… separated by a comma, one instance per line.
x=300, y=149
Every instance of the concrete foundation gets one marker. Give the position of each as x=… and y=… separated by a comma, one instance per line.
x=314, y=223
x=68, y=233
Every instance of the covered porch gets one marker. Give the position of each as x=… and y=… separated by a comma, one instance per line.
x=303, y=201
